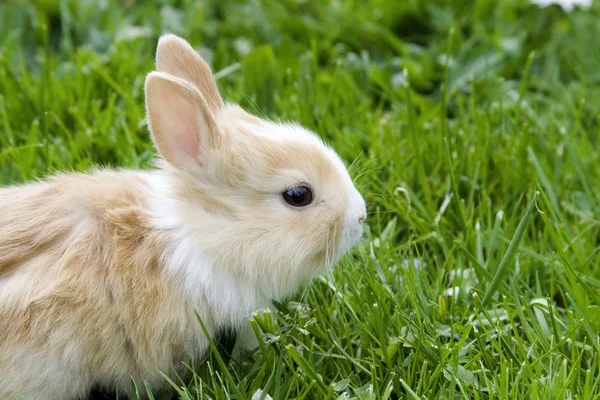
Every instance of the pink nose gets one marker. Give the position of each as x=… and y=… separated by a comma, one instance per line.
x=362, y=218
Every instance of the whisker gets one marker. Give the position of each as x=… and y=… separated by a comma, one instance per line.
x=366, y=172
x=254, y=105
x=378, y=195
x=355, y=159
x=381, y=213
x=358, y=169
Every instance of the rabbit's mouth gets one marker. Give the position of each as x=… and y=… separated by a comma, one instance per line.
x=353, y=224
x=350, y=237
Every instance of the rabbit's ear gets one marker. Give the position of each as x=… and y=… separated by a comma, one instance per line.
x=181, y=122
x=175, y=56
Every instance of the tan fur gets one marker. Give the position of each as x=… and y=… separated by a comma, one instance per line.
x=177, y=58
x=96, y=282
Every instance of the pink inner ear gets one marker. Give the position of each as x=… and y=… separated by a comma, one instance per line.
x=179, y=120
x=180, y=126
x=187, y=131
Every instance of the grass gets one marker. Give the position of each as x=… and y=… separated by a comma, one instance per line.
x=474, y=131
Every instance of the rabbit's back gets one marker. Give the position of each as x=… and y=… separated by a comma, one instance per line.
x=80, y=285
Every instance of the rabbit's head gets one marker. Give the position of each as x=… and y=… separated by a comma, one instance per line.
x=267, y=201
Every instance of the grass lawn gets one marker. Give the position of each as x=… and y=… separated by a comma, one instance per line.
x=473, y=132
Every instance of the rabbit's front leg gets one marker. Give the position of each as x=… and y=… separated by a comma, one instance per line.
x=246, y=340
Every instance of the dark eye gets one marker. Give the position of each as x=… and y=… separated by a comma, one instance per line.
x=298, y=197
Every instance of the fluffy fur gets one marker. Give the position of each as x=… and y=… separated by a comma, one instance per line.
x=101, y=274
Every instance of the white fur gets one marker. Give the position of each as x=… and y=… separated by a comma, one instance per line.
x=206, y=285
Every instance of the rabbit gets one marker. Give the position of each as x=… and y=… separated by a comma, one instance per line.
x=103, y=275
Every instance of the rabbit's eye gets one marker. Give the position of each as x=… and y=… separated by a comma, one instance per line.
x=298, y=197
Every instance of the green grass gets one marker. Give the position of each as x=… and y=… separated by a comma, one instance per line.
x=474, y=127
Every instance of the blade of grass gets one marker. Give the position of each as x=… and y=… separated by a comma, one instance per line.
x=503, y=269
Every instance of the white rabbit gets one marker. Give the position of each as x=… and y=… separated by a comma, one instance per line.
x=101, y=274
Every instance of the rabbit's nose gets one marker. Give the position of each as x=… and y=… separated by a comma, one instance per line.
x=362, y=218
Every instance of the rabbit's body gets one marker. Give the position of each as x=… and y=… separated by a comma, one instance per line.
x=101, y=275
x=82, y=277
x=92, y=292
